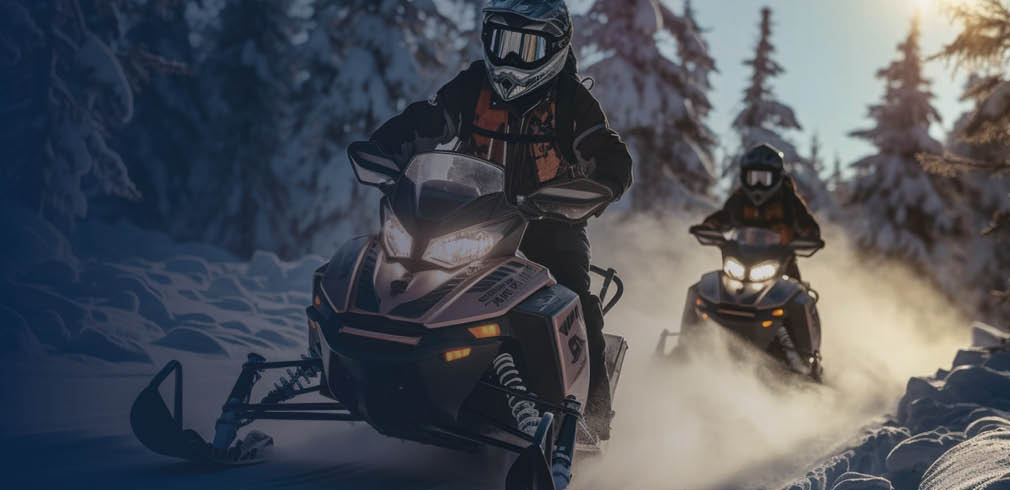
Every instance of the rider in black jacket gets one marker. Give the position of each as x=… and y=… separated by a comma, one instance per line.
x=523, y=108
x=767, y=198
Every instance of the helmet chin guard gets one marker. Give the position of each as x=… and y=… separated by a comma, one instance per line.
x=511, y=83
x=759, y=196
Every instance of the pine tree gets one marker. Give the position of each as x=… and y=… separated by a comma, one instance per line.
x=245, y=85
x=984, y=199
x=806, y=172
x=901, y=210
x=64, y=90
x=656, y=104
x=693, y=161
x=364, y=63
x=763, y=117
x=981, y=142
x=982, y=44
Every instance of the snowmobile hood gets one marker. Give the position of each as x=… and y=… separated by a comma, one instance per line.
x=360, y=279
x=773, y=294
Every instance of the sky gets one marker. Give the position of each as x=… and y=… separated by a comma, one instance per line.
x=831, y=51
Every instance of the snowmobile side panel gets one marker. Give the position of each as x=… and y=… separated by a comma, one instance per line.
x=804, y=324
x=338, y=278
x=550, y=328
x=617, y=347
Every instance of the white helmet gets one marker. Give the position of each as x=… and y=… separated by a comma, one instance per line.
x=526, y=43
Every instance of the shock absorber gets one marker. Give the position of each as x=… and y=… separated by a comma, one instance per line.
x=525, y=412
x=291, y=383
x=792, y=356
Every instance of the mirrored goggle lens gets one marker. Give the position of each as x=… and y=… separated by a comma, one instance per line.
x=527, y=46
x=761, y=178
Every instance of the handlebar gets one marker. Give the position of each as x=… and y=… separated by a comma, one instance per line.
x=801, y=247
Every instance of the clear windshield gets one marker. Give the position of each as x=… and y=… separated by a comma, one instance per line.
x=755, y=236
x=444, y=182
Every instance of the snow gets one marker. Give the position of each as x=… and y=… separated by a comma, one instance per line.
x=138, y=292
x=951, y=430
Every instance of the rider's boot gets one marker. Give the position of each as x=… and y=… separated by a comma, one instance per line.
x=598, y=407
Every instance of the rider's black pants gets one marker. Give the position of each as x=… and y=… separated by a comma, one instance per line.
x=564, y=249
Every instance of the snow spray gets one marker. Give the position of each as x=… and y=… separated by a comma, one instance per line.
x=713, y=423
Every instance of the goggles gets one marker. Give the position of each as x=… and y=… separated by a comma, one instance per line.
x=759, y=178
x=523, y=46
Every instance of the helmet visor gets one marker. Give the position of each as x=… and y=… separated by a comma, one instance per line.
x=759, y=178
x=514, y=47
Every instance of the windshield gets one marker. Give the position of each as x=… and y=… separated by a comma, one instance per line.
x=755, y=236
x=444, y=182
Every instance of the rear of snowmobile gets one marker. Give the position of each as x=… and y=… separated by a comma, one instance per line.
x=751, y=298
x=435, y=330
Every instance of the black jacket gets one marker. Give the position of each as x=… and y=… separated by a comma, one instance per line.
x=535, y=149
x=785, y=212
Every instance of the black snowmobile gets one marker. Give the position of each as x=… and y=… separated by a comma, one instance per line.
x=435, y=330
x=752, y=298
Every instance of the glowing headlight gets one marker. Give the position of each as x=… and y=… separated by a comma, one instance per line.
x=764, y=271
x=398, y=241
x=461, y=247
x=733, y=268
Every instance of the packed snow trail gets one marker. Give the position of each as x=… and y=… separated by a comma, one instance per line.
x=137, y=303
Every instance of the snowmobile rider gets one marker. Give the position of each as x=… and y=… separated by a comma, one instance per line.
x=767, y=198
x=524, y=108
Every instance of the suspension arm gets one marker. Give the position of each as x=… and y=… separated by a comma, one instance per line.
x=532, y=398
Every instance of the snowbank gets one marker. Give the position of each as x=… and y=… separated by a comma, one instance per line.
x=951, y=431
x=122, y=290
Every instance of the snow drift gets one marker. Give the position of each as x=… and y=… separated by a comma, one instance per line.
x=951, y=431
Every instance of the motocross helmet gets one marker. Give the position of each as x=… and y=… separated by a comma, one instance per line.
x=761, y=170
x=526, y=43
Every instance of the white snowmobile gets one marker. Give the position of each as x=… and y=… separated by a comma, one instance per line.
x=752, y=298
x=435, y=330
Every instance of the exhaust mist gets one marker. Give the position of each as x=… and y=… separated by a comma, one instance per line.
x=713, y=423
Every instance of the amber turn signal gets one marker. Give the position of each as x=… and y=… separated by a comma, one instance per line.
x=766, y=323
x=779, y=312
x=456, y=354
x=699, y=302
x=485, y=331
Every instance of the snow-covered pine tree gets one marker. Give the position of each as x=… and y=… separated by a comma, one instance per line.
x=982, y=44
x=63, y=91
x=807, y=173
x=981, y=138
x=650, y=99
x=693, y=156
x=763, y=117
x=900, y=210
x=362, y=63
x=984, y=199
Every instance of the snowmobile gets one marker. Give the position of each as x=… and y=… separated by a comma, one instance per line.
x=436, y=330
x=751, y=298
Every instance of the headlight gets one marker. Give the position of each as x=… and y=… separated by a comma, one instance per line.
x=398, y=241
x=734, y=268
x=764, y=271
x=462, y=247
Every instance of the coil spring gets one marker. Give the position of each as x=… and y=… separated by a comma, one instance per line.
x=792, y=355
x=525, y=412
x=289, y=385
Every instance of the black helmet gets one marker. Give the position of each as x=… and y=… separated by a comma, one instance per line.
x=761, y=170
x=526, y=43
